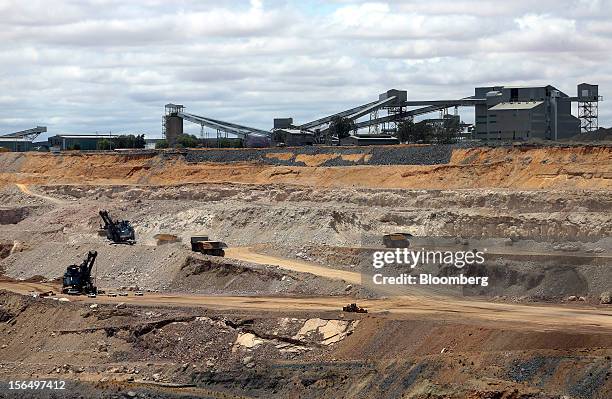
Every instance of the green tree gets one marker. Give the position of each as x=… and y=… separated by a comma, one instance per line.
x=129, y=141
x=161, y=144
x=187, y=141
x=451, y=129
x=447, y=131
x=229, y=143
x=104, y=144
x=139, y=141
x=406, y=131
x=121, y=142
x=341, y=127
x=423, y=132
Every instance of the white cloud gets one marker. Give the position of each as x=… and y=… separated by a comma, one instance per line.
x=100, y=65
x=380, y=21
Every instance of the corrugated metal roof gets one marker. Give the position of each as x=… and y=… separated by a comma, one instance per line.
x=14, y=140
x=516, y=105
x=85, y=136
x=527, y=87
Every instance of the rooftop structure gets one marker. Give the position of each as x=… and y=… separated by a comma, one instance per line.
x=523, y=112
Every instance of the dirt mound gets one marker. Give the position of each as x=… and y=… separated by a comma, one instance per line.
x=243, y=215
x=602, y=134
x=214, y=275
x=552, y=239
x=35, y=279
x=323, y=225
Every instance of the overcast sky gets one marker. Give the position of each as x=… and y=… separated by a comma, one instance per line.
x=81, y=66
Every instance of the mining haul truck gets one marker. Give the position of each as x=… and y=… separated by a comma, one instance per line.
x=397, y=240
x=203, y=245
x=77, y=279
x=120, y=231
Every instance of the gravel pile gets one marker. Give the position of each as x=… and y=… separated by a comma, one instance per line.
x=378, y=155
x=425, y=155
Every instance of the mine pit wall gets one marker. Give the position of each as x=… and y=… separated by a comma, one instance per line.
x=349, y=216
x=500, y=200
x=427, y=167
x=541, y=245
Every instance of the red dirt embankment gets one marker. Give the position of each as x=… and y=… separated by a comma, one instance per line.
x=520, y=168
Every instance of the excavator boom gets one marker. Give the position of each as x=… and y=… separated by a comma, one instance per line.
x=77, y=279
x=120, y=231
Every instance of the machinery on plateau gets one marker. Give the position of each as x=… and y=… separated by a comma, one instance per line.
x=77, y=279
x=203, y=245
x=120, y=231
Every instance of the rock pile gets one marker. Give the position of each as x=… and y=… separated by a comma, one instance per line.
x=333, y=156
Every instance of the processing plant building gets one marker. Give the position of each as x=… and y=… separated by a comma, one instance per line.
x=521, y=113
x=502, y=113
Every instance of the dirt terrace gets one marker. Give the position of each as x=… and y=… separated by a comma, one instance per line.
x=507, y=167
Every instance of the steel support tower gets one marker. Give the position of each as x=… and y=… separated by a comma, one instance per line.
x=588, y=107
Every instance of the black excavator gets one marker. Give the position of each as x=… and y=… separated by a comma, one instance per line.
x=77, y=279
x=353, y=308
x=120, y=231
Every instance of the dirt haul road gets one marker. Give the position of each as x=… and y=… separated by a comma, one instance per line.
x=554, y=317
x=26, y=190
x=248, y=255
